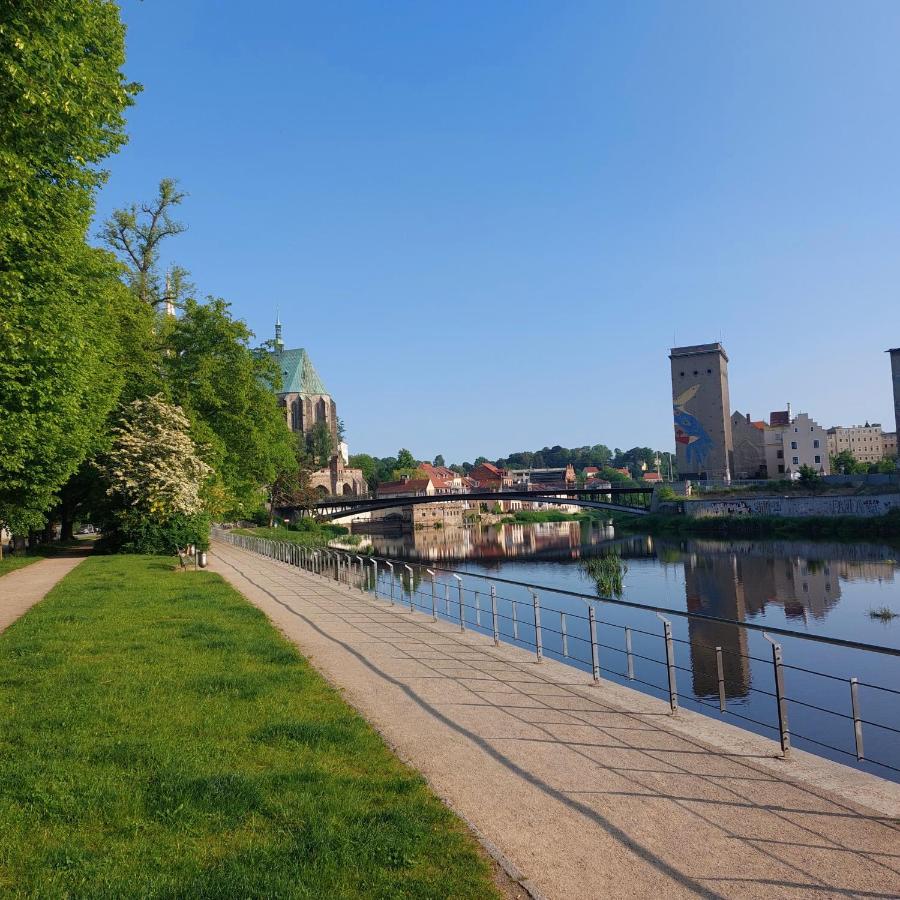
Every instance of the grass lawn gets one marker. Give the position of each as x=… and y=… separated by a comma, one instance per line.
x=315, y=537
x=159, y=738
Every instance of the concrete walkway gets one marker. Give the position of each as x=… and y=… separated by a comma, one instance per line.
x=22, y=588
x=588, y=791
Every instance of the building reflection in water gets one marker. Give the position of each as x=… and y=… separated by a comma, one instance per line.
x=732, y=580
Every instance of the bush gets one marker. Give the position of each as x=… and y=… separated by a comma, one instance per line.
x=133, y=533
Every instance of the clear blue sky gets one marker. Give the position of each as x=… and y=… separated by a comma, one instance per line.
x=487, y=222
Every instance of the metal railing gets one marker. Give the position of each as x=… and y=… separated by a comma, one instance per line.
x=589, y=642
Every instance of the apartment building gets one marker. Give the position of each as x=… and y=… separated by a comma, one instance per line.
x=865, y=442
x=792, y=442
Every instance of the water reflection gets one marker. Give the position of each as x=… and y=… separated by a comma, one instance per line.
x=548, y=540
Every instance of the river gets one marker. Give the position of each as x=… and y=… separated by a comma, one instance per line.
x=809, y=588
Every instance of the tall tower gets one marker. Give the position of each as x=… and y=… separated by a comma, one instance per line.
x=279, y=343
x=701, y=410
x=895, y=372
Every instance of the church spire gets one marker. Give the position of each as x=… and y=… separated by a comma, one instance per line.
x=279, y=343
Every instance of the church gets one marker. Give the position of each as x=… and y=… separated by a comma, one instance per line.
x=306, y=402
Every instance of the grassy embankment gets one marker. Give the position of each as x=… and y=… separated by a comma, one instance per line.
x=533, y=516
x=881, y=529
x=314, y=534
x=160, y=738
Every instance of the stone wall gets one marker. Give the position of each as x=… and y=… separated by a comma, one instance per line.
x=793, y=507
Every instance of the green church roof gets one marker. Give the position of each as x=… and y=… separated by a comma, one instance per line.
x=297, y=373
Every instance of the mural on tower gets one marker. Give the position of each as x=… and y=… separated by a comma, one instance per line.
x=690, y=433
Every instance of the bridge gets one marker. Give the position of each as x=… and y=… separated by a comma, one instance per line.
x=588, y=498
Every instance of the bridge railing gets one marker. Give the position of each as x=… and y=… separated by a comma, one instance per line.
x=769, y=680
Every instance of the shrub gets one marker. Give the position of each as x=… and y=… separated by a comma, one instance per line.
x=137, y=533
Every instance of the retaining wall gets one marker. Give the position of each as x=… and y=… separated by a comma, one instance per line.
x=793, y=507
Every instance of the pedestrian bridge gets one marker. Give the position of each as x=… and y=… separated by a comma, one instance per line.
x=630, y=500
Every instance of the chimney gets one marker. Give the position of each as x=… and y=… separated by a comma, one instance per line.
x=790, y=414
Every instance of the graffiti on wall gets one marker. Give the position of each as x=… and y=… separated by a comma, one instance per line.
x=689, y=432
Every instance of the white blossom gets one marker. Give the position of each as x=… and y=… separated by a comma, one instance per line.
x=153, y=465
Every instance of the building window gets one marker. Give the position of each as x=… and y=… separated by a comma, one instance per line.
x=795, y=460
x=709, y=371
x=781, y=470
x=818, y=459
x=793, y=445
x=780, y=454
x=816, y=444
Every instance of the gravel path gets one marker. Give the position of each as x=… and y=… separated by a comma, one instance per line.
x=22, y=588
x=587, y=791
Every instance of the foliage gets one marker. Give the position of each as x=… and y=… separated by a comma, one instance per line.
x=438, y=460
x=136, y=232
x=845, y=463
x=368, y=465
x=320, y=445
x=134, y=532
x=228, y=391
x=608, y=572
x=201, y=756
x=153, y=468
x=405, y=460
x=62, y=97
x=808, y=475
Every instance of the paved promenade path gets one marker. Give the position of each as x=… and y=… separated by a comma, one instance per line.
x=590, y=791
x=22, y=588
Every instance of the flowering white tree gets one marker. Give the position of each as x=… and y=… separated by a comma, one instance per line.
x=153, y=467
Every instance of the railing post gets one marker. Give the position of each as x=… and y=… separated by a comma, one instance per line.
x=391, y=567
x=433, y=596
x=446, y=598
x=564, y=634
x=462, y=614
x=494, y=618
x=515, y=619
x=670, y=662
x=362, y=572
x=629, y=657
x=720, y=675
x=375, y=567
x=595, y=654
x=412, y=607
x=477, y=610
x=780, y=698
x=857, y=719
x=538, y=639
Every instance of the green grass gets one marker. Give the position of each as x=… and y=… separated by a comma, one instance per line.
x=883, y=529
x=532, y=516
x=160, y=739
x=317, y=536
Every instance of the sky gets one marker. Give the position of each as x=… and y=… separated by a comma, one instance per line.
x=488, y=222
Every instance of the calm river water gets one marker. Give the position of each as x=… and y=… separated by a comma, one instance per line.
x=811, y=588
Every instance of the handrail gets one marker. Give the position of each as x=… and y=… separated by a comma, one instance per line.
x=358, y=576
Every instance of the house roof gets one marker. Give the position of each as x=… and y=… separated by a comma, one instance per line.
x=490, y=467
x=759, y=424
x=298, y=376
x=590, y=470
x=413, y=486
x=651, y=476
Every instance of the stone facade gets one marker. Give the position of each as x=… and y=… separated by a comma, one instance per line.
x=895, y=373
x=701, y=410
x=306, y=403
x=749, y=440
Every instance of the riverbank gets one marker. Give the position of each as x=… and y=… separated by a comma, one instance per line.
x=160, y=737
x=314, y=535
x=883, y=529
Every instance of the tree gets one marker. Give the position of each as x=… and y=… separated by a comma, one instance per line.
x=438, y=460
x=154, y=474
x=228, y=392
x=62, y=96
x=845, y=463
x=136, y=232
x=808, y=475
x=405, y=460
x=320, y=444
x=368, y=465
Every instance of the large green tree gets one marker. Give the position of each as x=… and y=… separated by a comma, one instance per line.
x=62, y=99
x=228, y=391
